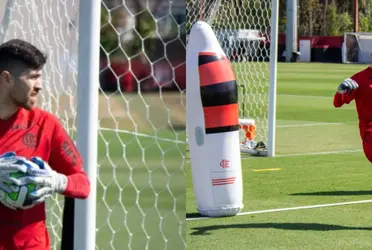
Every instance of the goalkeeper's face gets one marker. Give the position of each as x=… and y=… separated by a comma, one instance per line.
x=25, y=88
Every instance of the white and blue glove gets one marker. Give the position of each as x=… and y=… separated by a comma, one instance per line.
x=347, y=84
x=50, y=181
x=38, y=172
x=11, y=163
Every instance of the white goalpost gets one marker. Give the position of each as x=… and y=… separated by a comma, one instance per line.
x=87, y=119
x=247, y=32
x=122, y=98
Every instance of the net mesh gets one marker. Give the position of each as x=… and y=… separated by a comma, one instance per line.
x=358, y=48
x=242, y=28
x=141, y=151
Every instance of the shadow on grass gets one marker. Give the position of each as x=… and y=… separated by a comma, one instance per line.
x=284, y=226
x=193, y=215
x=337, y=193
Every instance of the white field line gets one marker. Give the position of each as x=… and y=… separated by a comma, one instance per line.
x=321, y=153
x=309, y=96
x=291, y=208
x=314, y=124
x=142, y=135
x=185, y=142
x=314, y=153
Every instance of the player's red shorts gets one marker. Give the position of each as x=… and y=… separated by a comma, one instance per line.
x=367, y=146
x=31, y=237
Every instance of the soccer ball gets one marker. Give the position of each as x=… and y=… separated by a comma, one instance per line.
x=13, y=196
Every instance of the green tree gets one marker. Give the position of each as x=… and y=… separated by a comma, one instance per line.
x=365, y=13
x=311, y=17
x=112, y=12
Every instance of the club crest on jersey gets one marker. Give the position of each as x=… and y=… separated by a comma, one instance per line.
x=29, y=140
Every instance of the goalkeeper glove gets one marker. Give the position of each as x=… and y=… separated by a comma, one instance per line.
x=347, y=84
x=10, y=163
x=50, y=181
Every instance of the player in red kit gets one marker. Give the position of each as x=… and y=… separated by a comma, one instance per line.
x=31, y=132
x=359, y=88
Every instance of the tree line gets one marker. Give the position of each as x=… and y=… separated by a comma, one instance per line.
x=329, y=17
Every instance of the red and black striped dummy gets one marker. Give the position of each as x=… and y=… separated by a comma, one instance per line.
x=219, y=93
x=212, y=125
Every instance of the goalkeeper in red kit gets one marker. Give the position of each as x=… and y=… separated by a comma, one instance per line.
x=32, y=137
x=359, y=88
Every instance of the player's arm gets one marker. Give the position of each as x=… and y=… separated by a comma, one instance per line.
x=346, y=92
x=66, y=159
x=64, y=173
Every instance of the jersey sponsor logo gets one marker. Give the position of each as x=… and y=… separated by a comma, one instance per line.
x=20, y=126
x=67, y=150
x=29, y=140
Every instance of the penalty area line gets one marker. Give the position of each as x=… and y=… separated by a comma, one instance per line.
x=288, y=209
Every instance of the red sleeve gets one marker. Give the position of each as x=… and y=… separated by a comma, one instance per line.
x=66, y=159
x=340, y=99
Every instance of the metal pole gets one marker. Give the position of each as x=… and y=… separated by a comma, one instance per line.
x=356, y=15
x=273, y=73
x=291, y=32
x=87, y=119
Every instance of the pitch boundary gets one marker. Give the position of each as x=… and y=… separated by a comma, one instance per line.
x=314, y=124
x=312, y=153
x=322, y=153
x=289, y=209
x=308, y=96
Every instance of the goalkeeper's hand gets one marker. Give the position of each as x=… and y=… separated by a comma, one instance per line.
x=347, y=84
x=11, y=163
x=50, y=181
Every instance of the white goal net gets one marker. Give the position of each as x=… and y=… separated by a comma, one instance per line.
x=243, y=30
x=357, y=48
x=141, y=144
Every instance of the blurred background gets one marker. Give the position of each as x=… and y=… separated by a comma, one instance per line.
x=317, y=27
x=138, y=45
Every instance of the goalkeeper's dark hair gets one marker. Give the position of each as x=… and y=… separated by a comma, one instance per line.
x=17, y=55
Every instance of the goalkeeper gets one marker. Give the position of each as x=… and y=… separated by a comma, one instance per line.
x=35, y=135
x=359, y=88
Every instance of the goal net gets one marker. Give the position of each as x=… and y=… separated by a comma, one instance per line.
x=357, y=48
x=141, y=136
x=243, y=30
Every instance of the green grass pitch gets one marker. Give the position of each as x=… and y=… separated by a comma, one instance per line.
x=320, y=161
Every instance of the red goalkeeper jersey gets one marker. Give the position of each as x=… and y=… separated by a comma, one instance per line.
x=38, y=133
x=362, y=97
